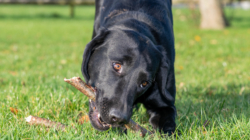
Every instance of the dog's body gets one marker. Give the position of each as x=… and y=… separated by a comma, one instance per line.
x=130, y=60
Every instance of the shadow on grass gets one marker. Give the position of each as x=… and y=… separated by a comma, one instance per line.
x=242, y=22
x=196, y=105
x=45, y=16
x=213, y=103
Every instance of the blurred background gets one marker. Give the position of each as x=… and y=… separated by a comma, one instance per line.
x=42, y=42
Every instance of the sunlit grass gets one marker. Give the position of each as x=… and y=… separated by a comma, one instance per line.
x=40, y=45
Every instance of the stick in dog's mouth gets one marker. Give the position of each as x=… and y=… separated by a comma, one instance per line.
x=90, y=92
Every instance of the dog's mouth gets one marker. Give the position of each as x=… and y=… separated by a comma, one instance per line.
x=95, y=118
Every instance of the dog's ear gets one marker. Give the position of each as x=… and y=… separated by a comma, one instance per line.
x=90, y=47
x=164, y=76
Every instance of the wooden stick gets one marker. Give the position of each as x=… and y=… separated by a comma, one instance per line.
x=82, y=87
x=33, y=120
x=90, y=92
x=137, y=128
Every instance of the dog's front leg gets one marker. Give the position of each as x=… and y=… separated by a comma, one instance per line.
x=163, y=119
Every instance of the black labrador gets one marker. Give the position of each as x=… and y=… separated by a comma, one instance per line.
x=130, y=60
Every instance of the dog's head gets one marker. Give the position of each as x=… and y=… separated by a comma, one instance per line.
x=122, y=65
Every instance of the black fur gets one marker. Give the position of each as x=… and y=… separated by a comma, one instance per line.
x=139, y=36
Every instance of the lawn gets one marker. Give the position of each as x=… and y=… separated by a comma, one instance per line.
x=40, y=45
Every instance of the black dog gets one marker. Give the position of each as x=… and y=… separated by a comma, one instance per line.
x=130, y=60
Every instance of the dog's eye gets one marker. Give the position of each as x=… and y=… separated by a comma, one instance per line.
x=117, y=66
x=144, y=84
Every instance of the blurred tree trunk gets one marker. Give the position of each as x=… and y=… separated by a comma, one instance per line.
x=72, y=6
x=212, y=15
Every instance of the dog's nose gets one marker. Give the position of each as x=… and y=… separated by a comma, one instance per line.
x=117, y=117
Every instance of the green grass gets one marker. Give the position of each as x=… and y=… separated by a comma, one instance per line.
x=40, y=45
